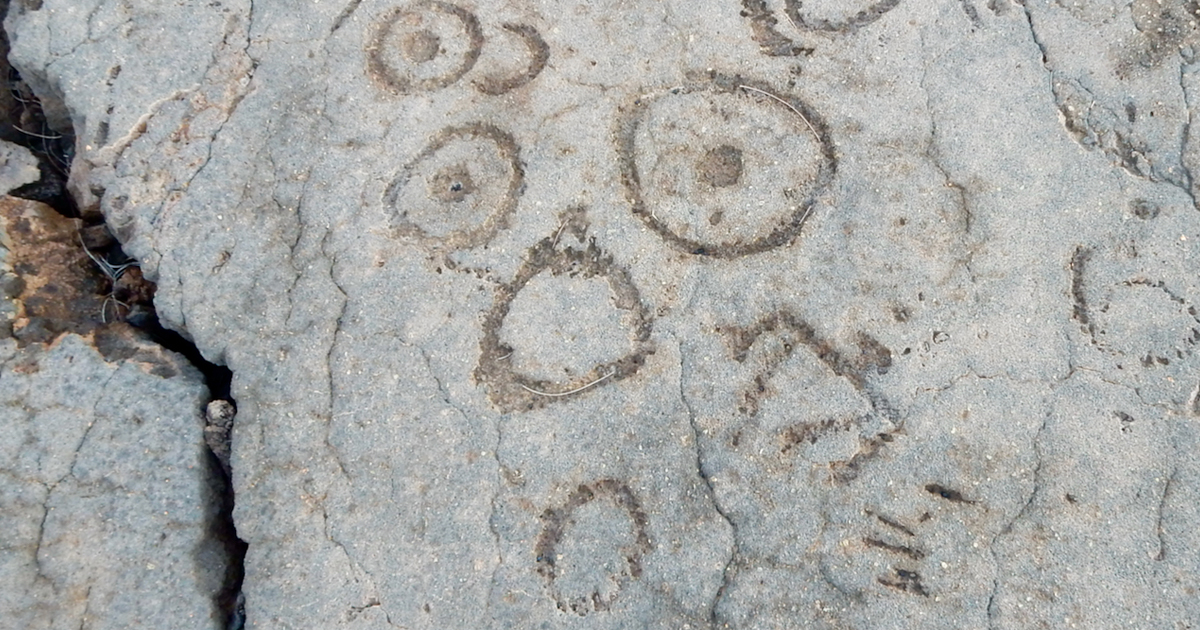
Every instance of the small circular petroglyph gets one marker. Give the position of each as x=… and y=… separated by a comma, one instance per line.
x=592, y=546
x=532, y=60
x=836, y=15
x=423, y=46
x=459, y=190
x=724, y=166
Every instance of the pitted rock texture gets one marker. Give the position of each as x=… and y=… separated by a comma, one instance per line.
x=109, y=494
x=17, y=167
x=721, y=314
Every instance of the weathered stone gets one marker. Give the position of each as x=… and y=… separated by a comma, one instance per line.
x=109, y=513
x=672, y=314
x=218, y=431
x=17, y=167
x=60, y=289
x=109, y=494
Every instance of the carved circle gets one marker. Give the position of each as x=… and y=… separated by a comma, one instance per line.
x=512, y=389
x=723, y=166
x=423, y=46
x=805, y=20
x=459, y=190
x=591, y=595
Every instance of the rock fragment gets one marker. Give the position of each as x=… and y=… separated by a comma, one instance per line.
x=108, y=505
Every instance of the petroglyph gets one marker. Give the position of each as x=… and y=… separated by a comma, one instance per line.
x=538, y=54
x=459, y=190
x=800, y=18
x=723, y=188
x=430, y=45
x=424, y=46
x=592, y=546
x=836, y=17
x=525, y=373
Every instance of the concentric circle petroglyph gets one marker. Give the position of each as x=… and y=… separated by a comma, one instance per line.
x=835, y=16
x=530, y=370
x=423, y=46
x=586, y=570
x=724, y=166
x=459, y=190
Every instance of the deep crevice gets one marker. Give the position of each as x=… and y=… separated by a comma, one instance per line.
x=22, y=122
x=228, y=599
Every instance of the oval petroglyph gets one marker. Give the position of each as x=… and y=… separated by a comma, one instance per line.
x=829, y=16
x=592, y=546
x=424, y=46
x=459, y=190
x=724, y=166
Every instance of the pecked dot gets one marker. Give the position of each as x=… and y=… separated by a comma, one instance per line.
x=452, y=184
x=421, y=46
x=720, y=167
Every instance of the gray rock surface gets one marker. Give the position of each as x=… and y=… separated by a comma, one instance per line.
x=17, y=167
x=759, y=314
x=108, y=495
x=110, y=502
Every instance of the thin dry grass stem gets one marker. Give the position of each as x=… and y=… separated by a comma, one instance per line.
x=787, y=105
x=557, y=234
x=806, y=213
x=16, y=94
x=573, y=391
x=114, y=272
x=38, y=135
x=116, y=309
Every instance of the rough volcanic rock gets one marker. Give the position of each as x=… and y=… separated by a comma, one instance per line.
x=17, y=167
x=754, y=314
x=53, y=284
x=109, y=495
x=111, y=501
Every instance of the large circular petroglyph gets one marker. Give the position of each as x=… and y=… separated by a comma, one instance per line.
x=423, y=46
x=723, y=166
x=571, y=321
x=459, y=190
x=835, y=15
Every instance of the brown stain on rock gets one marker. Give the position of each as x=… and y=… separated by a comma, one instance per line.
x=119, y=342
x=56, y=289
